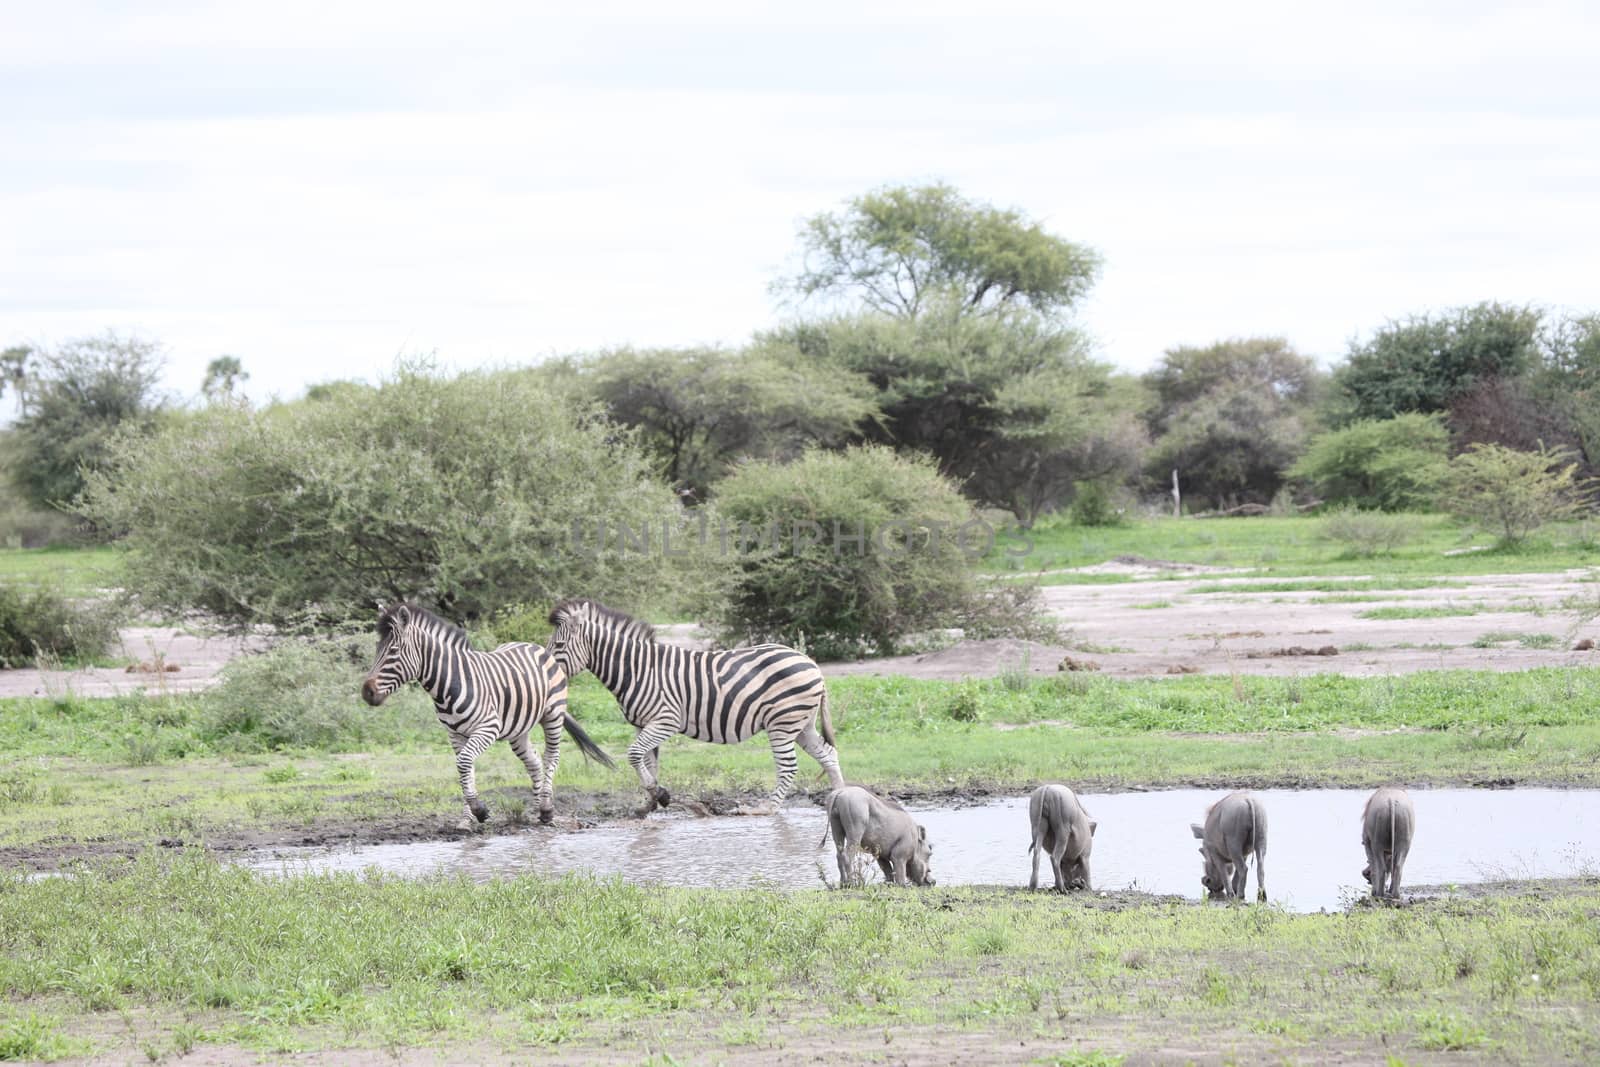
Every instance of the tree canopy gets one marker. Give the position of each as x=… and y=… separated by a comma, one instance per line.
x=700, y=409
x=1425, y=362
x=898, y=248
x=471, y=493
x=1010, y=405
x=81, y=396
x=1229, y=417
x=223, y=375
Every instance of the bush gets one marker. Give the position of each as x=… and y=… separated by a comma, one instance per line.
x=1094, y=505
x=893, y=551
x=1378, y=465
x=306, y=694
x=466, y=493
x=38, y=621
x=1514, y=493
x=1368, y=533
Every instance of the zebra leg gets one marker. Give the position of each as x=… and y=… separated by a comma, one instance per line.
x=552, y=759
x=467, y=767
x=782, y=744
x=536, y=772
x=823, y=753
x=644, y=754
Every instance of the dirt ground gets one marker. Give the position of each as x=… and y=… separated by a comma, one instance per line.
x=153, y=659
x=1154, y=625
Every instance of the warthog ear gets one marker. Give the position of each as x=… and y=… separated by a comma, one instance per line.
x=1093, y=826
x=922, y=833
x=1199, y=831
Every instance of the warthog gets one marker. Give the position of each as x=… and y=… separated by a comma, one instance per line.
x=1235, y=826
x=1064, y=831
x=861, y=819
x=1387, y=824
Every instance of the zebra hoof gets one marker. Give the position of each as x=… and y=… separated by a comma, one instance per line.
x=547, y=816
x=480, y=810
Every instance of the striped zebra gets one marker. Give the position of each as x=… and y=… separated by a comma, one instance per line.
x=481, y=698
x=722, y=697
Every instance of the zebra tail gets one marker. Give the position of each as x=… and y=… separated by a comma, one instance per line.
x=827, y=720
x=586, y=743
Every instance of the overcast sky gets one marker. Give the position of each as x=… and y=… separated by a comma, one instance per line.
x=318, y=187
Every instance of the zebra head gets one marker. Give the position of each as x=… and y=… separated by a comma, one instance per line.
x=583, y=625
x=572, y=644
x=399, y=659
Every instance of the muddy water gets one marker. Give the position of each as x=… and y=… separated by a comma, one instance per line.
x=1314, y=855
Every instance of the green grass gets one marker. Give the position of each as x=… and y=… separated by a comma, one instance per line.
x=1424, y=611
x=188, y=950
x=1280, y=546
x=1328, y=585
x=1526, y=640
x=136, y=770
x=75, y=571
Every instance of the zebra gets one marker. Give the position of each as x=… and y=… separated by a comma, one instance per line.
x=481, y=698
x=723, y=697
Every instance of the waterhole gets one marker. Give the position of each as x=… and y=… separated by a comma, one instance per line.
x=1313, y=860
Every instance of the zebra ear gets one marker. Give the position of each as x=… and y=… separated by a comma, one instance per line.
x=402, y=616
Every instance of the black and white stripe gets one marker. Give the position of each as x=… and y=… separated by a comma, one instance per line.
x=722, y=697
x=481, y=697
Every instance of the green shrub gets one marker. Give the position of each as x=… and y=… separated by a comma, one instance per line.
x=1368, y=533
x=1094, y=504
x=1514, y=493
x=467, y=493
x=1378, y=465
x=39, y=620
x=305, y=694
x=521, y=622
x=893, y=551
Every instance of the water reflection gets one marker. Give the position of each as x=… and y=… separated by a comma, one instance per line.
x=1314, y=854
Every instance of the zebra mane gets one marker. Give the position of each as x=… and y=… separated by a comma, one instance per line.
x=614, y=620
x=445, y=629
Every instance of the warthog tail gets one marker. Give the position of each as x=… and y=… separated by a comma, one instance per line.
x=827, y=720
x=586, y=743
x=1394, y=846
x=827, y=820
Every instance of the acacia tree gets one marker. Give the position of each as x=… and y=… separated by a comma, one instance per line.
x=900, y=247
x=700, y=409
x=82, y=395
x=223, y=375
x=1230, y=417
x=994, y=399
